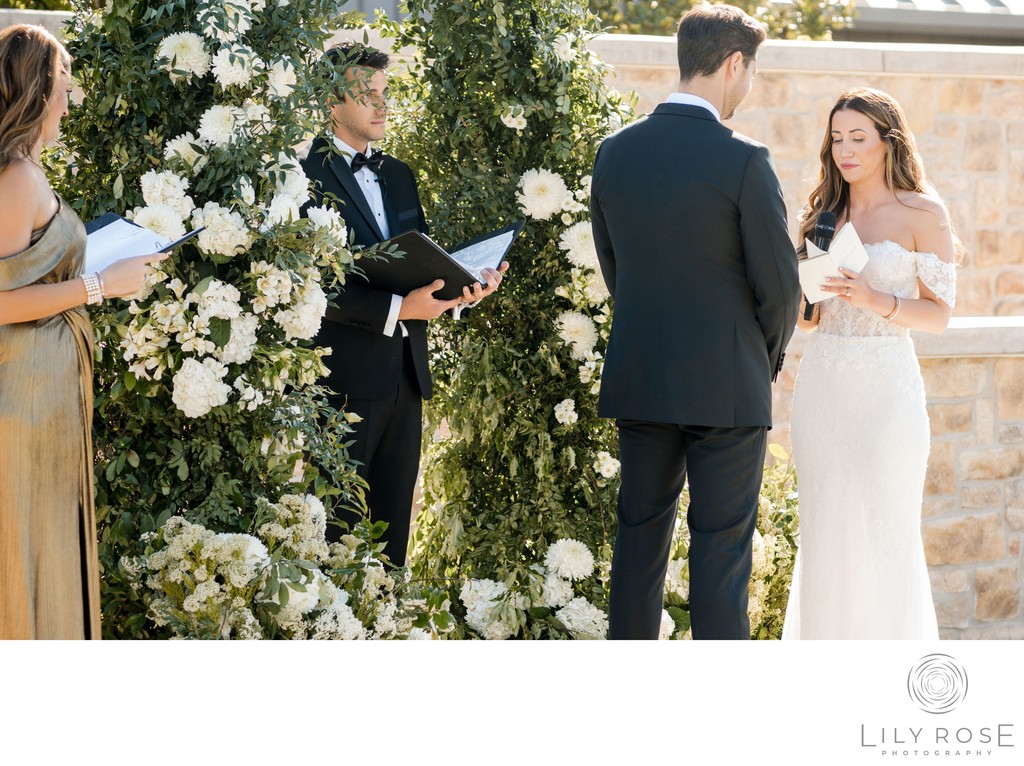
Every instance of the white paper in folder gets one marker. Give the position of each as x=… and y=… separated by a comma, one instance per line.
x=847, y=251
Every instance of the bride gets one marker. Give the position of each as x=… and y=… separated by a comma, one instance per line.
x=859, y=425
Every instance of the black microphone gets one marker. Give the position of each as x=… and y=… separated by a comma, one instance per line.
x=824, y=231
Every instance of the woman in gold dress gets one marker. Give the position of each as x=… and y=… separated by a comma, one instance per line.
x=49, y=572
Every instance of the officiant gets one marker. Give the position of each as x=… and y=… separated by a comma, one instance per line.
x=379, y=366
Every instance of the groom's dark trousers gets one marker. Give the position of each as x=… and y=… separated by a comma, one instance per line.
x=691, y=234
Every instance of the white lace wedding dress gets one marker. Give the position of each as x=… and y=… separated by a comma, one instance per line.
x=860, y=445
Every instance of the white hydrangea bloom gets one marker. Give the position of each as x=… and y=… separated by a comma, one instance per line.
x=290, y=179
x=578, y=243
x=570, y=559
x=242, y=344
x=676, y=581
x=329, y=218
x=184, y=52
x=667, y=626
x=302, y=320
x=565, y=412
x=606, y=465
x=164, y=187
x=557, y=591
x=162, y=219
x=225, y=232
x=300, y=602
x=184, y=148
x=283, y=209
x=583, y=620
x=235, y=65
x=541, y=193
x=198, y=387
x=222, y=125
x=281, y=78
x=577, y=331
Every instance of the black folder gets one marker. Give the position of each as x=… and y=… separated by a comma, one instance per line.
x=423, y=260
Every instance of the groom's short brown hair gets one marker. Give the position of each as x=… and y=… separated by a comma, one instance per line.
x=709, y=34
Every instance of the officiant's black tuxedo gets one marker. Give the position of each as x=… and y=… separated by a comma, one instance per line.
x=382, y=378
x=690, y=228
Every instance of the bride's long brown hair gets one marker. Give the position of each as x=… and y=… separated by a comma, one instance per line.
x=31, y=61
x=903, y=168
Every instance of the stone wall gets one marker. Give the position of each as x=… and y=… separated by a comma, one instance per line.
x=966, y=107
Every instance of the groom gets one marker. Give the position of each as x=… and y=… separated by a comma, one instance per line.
x=690, y=228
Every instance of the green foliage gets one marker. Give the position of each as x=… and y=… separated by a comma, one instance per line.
x=797, y=20
x=273, y=432
x=507, y=479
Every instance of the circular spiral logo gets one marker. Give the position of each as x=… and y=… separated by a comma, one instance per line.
x=937, y=683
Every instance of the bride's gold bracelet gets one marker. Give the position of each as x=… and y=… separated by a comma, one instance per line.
x=895, y=309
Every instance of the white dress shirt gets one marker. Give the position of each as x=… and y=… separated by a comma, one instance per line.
x=370, y=187
x=691, y=100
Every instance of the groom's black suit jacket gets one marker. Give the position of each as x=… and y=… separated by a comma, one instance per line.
x=366, y=364
x=690, y=228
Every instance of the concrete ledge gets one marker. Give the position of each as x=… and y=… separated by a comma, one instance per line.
x=1006, y=63
x=965, y=337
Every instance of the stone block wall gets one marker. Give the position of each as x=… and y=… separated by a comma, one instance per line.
x=965, y=105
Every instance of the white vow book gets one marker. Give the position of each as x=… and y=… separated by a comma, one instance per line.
x=847, y=251
x=111, y=238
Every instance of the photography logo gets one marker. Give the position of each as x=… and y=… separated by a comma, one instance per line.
x=937, y=683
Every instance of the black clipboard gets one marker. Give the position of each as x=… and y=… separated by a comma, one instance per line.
x=424, y=260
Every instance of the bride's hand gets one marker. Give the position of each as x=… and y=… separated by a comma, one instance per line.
x=852, y=288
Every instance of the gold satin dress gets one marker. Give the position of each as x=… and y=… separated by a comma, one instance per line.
x=49, y=570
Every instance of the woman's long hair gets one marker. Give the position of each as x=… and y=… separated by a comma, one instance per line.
x=31, y=61
x=903, y=168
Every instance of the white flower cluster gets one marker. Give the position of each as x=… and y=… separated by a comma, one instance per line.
x=677, y=578
x=578, y=243
x=542, y=194
x=298, y=527
x=515, y=118
x=165, y=187
x=584, y=289
x=225, y=231
x=606, y=465
x=583, y=620
x=222, y=566
x=281, y=78
x=564, y=47
x=183, y=55
x=234, y=65
x=198, y=387
x=328, y=219
x=188, y=150
x=488, y=609
x=226, y=20
x=590, y=371
x=223, y=125
x=577, y=331
x=302, y=320
x=570, y=559
x=565, y=412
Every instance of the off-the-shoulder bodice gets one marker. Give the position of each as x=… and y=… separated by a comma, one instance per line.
x=895, y=270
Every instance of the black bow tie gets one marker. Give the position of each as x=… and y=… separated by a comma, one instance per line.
x=372, y=162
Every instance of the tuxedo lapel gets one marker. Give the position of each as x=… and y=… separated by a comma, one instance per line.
x=348, y=182
x=387, y=188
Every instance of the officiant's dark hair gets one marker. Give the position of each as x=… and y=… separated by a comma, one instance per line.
x=709, y=34
x=347, y=55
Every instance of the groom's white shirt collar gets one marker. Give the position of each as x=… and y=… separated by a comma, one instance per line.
x=691, y=100
x=349, y=151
